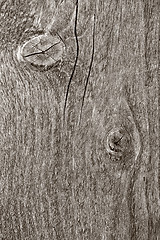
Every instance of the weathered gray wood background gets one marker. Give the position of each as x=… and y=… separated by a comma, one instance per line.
x=57, y=180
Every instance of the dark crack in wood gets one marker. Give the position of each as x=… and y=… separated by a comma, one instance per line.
x=90, y=68
x=75, y=63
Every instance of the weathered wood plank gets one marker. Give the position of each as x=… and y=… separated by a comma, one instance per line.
x=62, y=178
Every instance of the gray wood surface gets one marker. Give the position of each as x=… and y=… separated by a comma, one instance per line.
x=79, y=141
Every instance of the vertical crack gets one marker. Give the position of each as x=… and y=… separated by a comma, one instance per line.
x=75, y=63
x=90, y=68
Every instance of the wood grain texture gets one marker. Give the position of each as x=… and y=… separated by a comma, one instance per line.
x=57, y=178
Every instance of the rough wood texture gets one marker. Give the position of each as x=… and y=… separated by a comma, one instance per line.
x=60, y=175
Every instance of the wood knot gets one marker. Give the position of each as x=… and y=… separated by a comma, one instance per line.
x=118, y=142
x=42, y=52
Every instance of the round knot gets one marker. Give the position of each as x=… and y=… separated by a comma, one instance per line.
x=118, y=141
x=42, y=52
